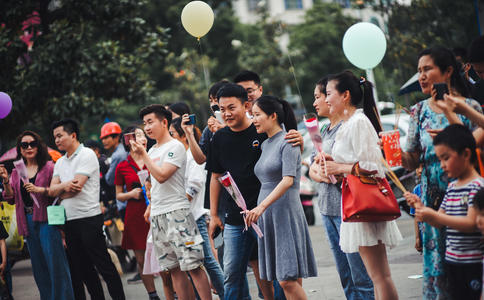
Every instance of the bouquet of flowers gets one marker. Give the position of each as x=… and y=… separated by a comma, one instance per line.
x=311, y=122
x=22, y=172
x=229, y=184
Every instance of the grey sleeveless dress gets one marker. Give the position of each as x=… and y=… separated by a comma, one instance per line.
x=285, y=250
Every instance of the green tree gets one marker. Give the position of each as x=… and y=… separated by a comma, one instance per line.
x=215, y=45
x=316, y=45
x=423, y=24
x=88, y=60
x=259, y=51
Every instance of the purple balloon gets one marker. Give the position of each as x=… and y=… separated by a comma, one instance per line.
x=5, y=105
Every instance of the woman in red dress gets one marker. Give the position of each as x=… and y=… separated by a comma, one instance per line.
x=128, y=188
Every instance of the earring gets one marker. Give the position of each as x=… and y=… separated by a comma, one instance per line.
x=345, y=112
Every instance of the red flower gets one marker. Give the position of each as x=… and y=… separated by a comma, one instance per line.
x=226, y=182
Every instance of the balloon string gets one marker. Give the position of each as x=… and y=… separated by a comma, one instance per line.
x=294, y=75
x=205, y=72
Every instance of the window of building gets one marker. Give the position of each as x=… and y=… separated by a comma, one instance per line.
x=293, y=4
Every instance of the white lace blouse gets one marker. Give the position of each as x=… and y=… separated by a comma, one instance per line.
x=357, y=141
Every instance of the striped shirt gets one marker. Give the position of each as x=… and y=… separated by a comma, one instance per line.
x=462, y=247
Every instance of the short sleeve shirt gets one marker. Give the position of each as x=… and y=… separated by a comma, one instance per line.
x=462, y=247
x=126, y=174
x=329, y=195
x=237, y=153
x=84, y=162
x=169, y=195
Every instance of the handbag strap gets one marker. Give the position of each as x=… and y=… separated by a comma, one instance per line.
x=55, y=201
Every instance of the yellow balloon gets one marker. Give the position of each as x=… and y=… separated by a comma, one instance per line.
x=197, y=18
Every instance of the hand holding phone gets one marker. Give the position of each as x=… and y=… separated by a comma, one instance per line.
x=441, y=89
x=192, y=120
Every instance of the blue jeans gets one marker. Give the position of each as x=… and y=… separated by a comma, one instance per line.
x=352, y=272
x=49, y=261
x=238, y=246
x=213, y=267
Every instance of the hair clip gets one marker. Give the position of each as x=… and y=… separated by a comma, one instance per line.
x=362, y=80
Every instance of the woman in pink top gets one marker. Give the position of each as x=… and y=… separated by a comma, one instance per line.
x=49, y=262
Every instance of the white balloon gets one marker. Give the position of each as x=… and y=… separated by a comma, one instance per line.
x=197, y=18
x=364, y=45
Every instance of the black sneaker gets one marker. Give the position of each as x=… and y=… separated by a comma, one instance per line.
x=135, y=280
x=154, y=298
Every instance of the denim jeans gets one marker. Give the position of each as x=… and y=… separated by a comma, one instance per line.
x=213, y=267
x=49, y=261
x=352, y=272
x=238, y=246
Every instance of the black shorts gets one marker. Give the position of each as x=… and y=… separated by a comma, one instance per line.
x=464, y=280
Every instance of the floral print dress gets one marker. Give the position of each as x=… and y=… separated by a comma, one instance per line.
x=434, y=184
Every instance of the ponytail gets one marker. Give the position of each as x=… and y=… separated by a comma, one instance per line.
x=282, y=109
x=289, y=117
x=369, y=106
x=360, y=91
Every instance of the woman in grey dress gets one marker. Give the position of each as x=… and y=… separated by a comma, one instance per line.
x=285, y=250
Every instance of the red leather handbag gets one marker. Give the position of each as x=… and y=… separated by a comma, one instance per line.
x=368, y=199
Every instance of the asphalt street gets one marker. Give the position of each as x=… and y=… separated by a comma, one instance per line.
x=405, y=263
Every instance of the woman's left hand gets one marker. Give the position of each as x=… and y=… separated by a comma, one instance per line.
x=254, y=214
x=31, y=188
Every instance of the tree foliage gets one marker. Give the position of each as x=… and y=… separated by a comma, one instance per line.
x=260, y=51
x=316, y=45
x=87, y=59
x=423, y=24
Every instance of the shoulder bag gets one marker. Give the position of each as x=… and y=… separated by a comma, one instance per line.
x=367, y=198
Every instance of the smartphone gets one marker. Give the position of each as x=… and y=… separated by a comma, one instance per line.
x=218, y=238
x=441, y=89
x=192, y=120
x=128, y=137
x=218, y=116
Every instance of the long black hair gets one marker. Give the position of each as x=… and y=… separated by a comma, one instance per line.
x=42, y=156
x=361, y=94
x=180, y=108
x=282, y=109
x=444, y=58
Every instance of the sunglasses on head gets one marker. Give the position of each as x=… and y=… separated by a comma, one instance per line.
x=25, y=145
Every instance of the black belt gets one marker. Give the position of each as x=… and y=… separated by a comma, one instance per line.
x=28, y=210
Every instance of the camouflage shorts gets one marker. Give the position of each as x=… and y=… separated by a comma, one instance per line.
x=177, y=241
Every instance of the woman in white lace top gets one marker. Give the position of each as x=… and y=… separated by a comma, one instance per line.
x=357, y=142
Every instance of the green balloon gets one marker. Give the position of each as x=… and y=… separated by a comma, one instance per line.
x=364, y=45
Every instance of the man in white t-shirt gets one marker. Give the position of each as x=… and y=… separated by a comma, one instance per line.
x=176, y=238
x=76, y=182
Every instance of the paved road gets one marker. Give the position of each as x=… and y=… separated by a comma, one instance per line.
x=404, y=262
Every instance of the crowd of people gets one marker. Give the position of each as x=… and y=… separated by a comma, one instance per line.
x=182, y=222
